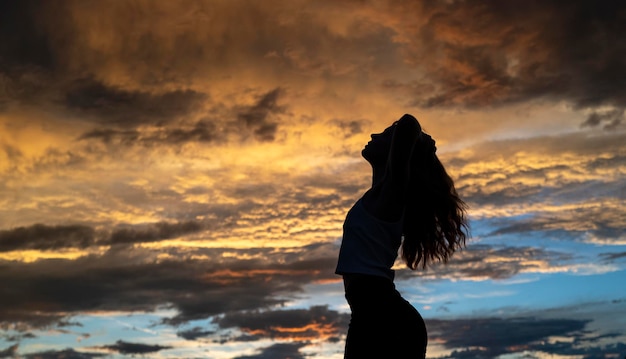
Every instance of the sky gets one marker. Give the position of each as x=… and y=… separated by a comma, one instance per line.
x=174, y=175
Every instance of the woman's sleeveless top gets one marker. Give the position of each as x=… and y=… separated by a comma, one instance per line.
x=369, y=245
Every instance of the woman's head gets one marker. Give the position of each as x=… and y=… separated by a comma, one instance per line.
x=376, y=151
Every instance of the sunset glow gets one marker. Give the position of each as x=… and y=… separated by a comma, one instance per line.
x=174, y=175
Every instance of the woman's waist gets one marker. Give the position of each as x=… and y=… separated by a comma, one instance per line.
x=367, y=284
x=366, y=278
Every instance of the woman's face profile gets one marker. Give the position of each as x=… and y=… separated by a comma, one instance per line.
x=376, y=151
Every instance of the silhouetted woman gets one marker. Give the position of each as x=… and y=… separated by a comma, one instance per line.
x=412, y=204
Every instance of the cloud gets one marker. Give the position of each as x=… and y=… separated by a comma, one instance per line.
x=194, y=333
x=125, y=108
x=134, y=348
x=609, y=120
x=279, y=350
x=258, y=121
x=498, y=334
x=147, y=139
x=153, y=232
x=29, y=44
x=19, y=337
x=586, y=221
x=474, y=337
x=579, y=330
x=43, y=292
x=49, y=238
x=314, y=323
x=349, y=127
x=549, y=165
x=317, y=323
x=429, y=52
x=569, y=185
x=512, y=52
x=481, y=262
x=613, y=256
x=68, y=353
x=23, y=320
x=43, y=237
x=131, y=288
x=53, y=66
x=248, y=285
x=205, y=282
x=109, y=135
x=586, y=352
x=9, y=352
x=256, y=117
x=492, y=337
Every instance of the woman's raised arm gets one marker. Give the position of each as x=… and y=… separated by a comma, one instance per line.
x=385, y=200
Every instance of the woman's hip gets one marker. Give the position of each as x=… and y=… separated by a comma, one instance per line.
x=376, y=298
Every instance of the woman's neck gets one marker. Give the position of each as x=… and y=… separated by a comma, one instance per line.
x=378, y=175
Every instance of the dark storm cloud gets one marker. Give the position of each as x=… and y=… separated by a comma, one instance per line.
x=201, y=131
x=257, y=121
x=9, y=352
x=247, y=285
x=194, y=333
x=54, y=64
x=26, y=56
x=153, y=232
x=609, y=120
x=43, y=237
x=109, y=135
x=349, y=127
x=498, y=334
x=68, y=353
x=155, y=44
x=280, y=350
x=25, y=319
x=314, y=322
x=134, y=348
x=257, y=117
x=138, y=287
x=480, y=338
x=492, y=52
x=43, y=292
x=22, y=41
x=470, y=53
x=126, y=108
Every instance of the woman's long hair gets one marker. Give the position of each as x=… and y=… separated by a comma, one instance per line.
x=435, y=221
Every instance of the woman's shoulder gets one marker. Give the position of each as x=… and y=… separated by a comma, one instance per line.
x=381, y=207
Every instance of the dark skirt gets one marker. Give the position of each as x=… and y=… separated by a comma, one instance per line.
x=382, y=323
